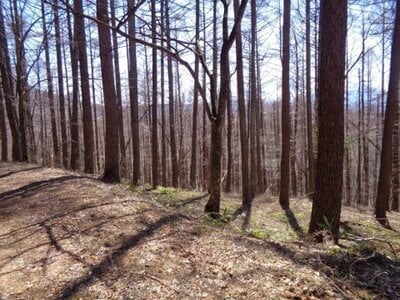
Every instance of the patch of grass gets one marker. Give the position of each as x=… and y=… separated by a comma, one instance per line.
x=219, y=220
x=336, y=251
x=259, y=234
x=167, y=190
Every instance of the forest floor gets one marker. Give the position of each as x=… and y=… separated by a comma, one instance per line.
x=68, y=235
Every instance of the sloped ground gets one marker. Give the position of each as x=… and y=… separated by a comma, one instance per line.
x=65, y=235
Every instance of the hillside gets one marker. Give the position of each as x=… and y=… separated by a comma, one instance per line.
x=68, y=235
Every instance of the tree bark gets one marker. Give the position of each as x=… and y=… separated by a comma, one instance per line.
x=61, y=99
x=154, y=136
x=111, y=163
x=193, y=161
x=285, y=157
x=329, y=178
x=133, y=95
x=310, y=143
x=74, y=122
x=8, y=89
x=171, y=105
x=244, y=150
x=88, y=138
x=219, y=108
x=385, y=171
x=120, y=114
x=3, y=129
x=50, y=94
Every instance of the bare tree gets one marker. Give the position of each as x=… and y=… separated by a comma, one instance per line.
x=8, y=89
x=50, y=93
x=133, y=94
x=285, y=158
x=88, y=139
x=61, y=98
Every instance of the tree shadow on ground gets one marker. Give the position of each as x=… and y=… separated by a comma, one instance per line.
x=292, y=220
x=19, y=171
x=33, y=188
x=189, y=201
x=100, y=269
x=346, y=272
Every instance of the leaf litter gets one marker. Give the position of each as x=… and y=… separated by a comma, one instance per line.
x=68, y=235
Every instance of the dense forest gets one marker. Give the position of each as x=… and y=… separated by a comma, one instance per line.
x=289, y=98
x=199, y=149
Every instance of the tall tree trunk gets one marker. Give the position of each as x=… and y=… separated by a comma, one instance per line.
x=74, y=121
x=310, y=144
x=365, y=199
x=88, y=139
x=56, y=149
x=120, y=114
x=359, y=148
x=218, y=110
x=329, y=178
x=64, y=140
x=285, y=158
x=133, y=95
x=8, y=89
x=244, y=150
x=111, y=163
x=396, y=155
x=171, y=104
x=3, y=129
x=193, y=161
x=43, y=143
x=181, y=152
x=228, y=186
x=163, y=123
x=385, y=171
x=293, y=176
x=95, y=119
x=154, y=135
x=347, y=148
x=253, y=102
x=21, y=80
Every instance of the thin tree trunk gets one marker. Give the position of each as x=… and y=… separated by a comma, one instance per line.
x=61, y=99
x=163, y=123
x=193, y=161
x=154, y=135
x=96, y=127
x=3, y=129
x=74, y=122
x=253, y=106
x=359, y=148
x=56, y=150
x=244, y=150
x=285, y=158
x=85, y=89
x=171, y=104
x=396, y=155
x=295, y=124
x=133, y=95
x=120, y=114
x=310, y=144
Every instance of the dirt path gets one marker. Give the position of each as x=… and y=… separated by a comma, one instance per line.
x=64, y=235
